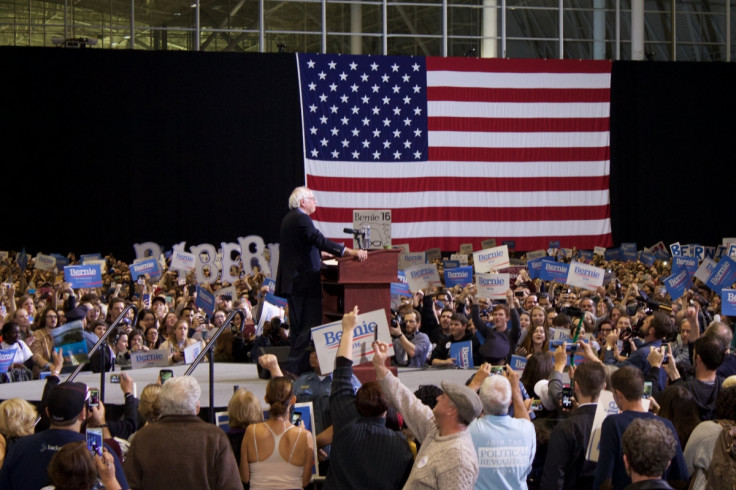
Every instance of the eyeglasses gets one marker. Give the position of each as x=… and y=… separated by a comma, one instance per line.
x=52, y=316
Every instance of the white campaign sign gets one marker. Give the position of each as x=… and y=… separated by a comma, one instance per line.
x=491, y=259
x=327, y=339
x=585, y=276
x=422, y=276
x=492, y=286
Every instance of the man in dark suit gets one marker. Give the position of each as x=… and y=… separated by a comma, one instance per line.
x=298, y=277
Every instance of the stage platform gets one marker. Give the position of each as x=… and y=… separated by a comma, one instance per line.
x=226, y=376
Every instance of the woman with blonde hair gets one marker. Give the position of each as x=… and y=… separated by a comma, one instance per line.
x=17, y=419
x=276, y=453
x=242, y=410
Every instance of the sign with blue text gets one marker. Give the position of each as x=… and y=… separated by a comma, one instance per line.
x=83, y=276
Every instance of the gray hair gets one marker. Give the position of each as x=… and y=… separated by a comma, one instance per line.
x=180, y=396
x=297, y=195
x=495, y=395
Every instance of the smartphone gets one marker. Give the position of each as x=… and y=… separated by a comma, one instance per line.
x=115, y=378
x=537, y=405
x=94, y=397
x=567, y=395
x=165, y=374
x=519, y=294
x=497, y=370
x=647, y=389
x=94, y=440
x=665, y=350
x=296, y=417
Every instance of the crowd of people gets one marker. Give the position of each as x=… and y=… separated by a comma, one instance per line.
x=667, y=365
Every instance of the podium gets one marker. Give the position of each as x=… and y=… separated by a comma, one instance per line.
x=366, y=284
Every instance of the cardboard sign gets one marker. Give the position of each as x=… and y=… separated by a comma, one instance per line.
x=462, y=259
x=83, y=276
x=433, y=254
x=677, y=283
x=273, y=306
x=491, y=259
x=518, y=363
x=462, y=353
x=534, y=267
x=601, y=251
x=152, y=358
x=327, y=339
x=535, y=254
x=191, y=352
x=606, y=406
x=379, y=221
x=70, y=340
x=459, y=276
x=466, y=248
x=705, y=269
x=490, y=243
x=182, y=261
x=628, y=250
x=585, y=276
x=723, y=275
x=45, y=262
x=206, y=300
x=492, y=286
x=407, y=260
x=688, y=264
x=422, y=276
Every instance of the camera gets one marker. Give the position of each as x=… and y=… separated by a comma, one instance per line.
x=497, y=370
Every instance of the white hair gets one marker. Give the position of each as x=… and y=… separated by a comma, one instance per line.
x=297, y=195
x=180, y=396
x=495, y=395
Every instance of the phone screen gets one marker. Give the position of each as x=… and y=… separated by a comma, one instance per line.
x=165, y=374
x=567, y=395
x=94, y=397
x=94, y=440
x=296, y=417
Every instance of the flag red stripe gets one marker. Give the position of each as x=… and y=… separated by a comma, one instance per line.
x=459, y=154
x=513, y=95
x=409, y=215
x=517, y=65
x=531, y=125
x=464, y=184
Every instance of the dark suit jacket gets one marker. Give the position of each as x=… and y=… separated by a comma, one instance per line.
x=300, y=244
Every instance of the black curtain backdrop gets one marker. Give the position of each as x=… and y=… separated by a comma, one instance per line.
x=120, y=147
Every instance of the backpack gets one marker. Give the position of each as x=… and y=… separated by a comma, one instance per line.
x=721, y=474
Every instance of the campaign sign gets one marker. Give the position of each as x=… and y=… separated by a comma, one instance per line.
x=86, y=257
x=554, y=271
x=422, y=276
x=459, y=276
x=22, y=259
x=491, y=259
x=534, y=267
x=273, y=306
x=606, y=406
x=70, y=339
x=61, y=261
x=628, y=251
x=451, y=264
x=490, y=243
x=535, y=254
x=723, y=275
x=599, y=251
x=407, y=260
x=492, y=286
x=705, y=269
x=433, y=254
x=647, y=258
x=461, y=258
x=586, y=255
x=83, y=276
x=518, y=363
x=613, y=254
x=554, y=244
x=677, y=283
x=402, y=276
x=45, y=262
x=149, y=266
x=688, y=264
x=327, y=339
x=6, y=359
x=270, y=284
x=585, y=276
x=182, y=261
x=400, y=289
x=191, y=352
x=728, y=302
x=462, y=353
x=151, y=358
x=466, y=248
x=206, y=300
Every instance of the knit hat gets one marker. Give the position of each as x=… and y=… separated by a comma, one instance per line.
x=66, y=401
x=76, y=314
x=496, y=348
x=466, y=400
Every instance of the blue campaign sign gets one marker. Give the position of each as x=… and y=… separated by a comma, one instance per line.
x=586, y=254
x=554, y=244
x=205, y=300
x=723, y=275
x=402, y=277
x=462, y=352
x=728, y=302
x=688, y=264
x=83, y=276
x=628, y=251
x=554, y=271
x=647, y=259
x=61, y=261
x=149, y=266
x=400, y=289
x=518, y=363
x=613, y=254
x=459, y=276
x=22, y=259
x=450, y=264
x=535, y=266
x=276, y=300
x=677, y=283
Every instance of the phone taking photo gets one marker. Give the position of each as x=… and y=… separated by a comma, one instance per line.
x=567, y=395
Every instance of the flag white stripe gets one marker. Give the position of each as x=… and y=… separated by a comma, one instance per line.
x=517, y=110
x=477, y=139
x=459, y=199
x=565, y=81
x=483, y=229
x=459, y=169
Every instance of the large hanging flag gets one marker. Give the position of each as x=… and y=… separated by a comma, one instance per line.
x=460, y=149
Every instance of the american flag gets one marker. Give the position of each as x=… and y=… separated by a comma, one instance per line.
x=459, y=149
